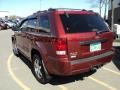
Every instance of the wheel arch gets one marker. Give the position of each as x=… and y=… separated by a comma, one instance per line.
x=34, y=51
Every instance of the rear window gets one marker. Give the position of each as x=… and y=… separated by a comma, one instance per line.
x=76, y=23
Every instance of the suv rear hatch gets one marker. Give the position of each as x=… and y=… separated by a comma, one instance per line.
x=87, y=35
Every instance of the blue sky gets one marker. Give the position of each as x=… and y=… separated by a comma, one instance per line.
x=27, y=7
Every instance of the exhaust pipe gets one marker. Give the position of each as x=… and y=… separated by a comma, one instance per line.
x=94, y=69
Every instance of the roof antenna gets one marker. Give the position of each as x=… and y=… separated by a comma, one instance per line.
x=40, y=5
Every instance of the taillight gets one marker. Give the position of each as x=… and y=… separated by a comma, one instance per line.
x=60, y=46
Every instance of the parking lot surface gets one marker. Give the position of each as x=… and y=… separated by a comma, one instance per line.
x=16, y=74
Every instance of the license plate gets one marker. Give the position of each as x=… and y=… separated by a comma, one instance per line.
x=95, y=47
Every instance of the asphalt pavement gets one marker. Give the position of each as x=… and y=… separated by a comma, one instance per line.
x=16, y=74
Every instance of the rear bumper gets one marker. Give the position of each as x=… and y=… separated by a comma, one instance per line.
x=106, y=54
x=65, y=67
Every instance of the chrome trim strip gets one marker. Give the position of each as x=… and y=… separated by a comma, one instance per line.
x=91, y=58
x=92, y=41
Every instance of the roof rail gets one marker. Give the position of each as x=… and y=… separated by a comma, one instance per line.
x=57, y=9
x=66, y=9
x=42, y=11
x=36, y=13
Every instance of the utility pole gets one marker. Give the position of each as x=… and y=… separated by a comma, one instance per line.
x=112, y=21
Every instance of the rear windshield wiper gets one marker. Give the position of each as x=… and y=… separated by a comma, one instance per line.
x=99, y=31
x=102, y=31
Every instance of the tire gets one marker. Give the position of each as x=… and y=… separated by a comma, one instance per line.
x=15, y=49
x=39, y=70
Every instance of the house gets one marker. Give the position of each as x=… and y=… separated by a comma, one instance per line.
x=116, y=6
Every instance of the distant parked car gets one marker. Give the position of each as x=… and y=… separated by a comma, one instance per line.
x=16, y=21
x=3, y=25
x=10, y=23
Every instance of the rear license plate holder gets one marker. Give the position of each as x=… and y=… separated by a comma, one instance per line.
x=95, y=46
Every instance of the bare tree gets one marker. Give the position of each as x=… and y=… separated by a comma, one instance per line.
x=112, y=8
x=100, y=4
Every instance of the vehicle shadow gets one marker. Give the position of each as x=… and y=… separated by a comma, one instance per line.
x=58, y=80
x=116, y=58
x=26, y=61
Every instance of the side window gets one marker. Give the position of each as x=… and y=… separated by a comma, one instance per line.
x=44, y=23
x=24, y=25
x=32, y=22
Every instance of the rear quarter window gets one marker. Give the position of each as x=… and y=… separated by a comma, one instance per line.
x=44, y=24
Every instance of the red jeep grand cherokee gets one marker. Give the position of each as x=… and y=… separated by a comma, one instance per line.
x=63, y=42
